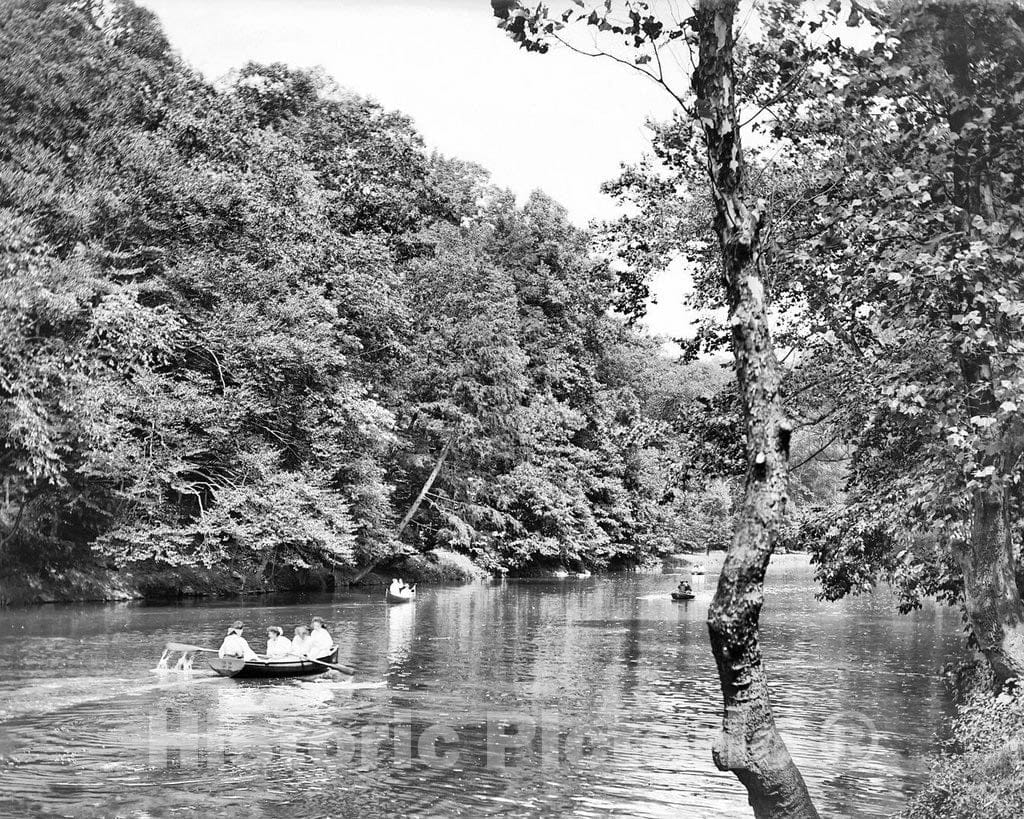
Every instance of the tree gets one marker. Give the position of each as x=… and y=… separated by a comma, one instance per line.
x=750, y=744
x=200, y=402
x=974, y=86
x=912, y=264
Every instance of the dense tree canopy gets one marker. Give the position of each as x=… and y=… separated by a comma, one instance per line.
x=243, y=324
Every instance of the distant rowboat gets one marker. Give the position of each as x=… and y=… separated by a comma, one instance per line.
x=406, y=596
x=264, y=669
x=683, y=595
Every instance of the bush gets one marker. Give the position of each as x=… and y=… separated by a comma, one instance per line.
x=437, y=566
x=981, y=769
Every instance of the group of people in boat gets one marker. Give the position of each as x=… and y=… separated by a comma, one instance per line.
x=400, y=588
x=314, y=641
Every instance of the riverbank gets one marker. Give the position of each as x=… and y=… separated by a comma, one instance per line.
x=90, y=581
x=434, y=567
x=982, y=764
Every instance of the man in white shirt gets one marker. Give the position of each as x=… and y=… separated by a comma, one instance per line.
x=235, y=644
x=320, y=642
x=278, y=646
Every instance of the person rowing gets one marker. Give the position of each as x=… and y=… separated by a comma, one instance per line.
x=235, y=645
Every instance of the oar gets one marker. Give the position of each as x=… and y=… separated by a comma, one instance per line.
x=186, y=647
x=344, y=669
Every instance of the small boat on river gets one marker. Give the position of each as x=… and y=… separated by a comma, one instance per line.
x=265, y=669
x=676, y=595
x=406, y=596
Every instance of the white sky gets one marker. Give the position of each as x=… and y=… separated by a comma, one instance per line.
x=559, y=121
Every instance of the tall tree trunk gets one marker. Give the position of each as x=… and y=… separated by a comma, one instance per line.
x=750, y=744
x=426, y=485
x=991, y=595
x=429, y=482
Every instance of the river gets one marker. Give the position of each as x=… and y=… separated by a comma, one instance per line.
x=580, y=697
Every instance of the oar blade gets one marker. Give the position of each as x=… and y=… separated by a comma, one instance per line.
x=344, y=669
x=186, y=647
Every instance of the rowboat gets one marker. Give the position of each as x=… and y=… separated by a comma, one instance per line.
x=683, y=595
x=401, y=597
x=263, y=669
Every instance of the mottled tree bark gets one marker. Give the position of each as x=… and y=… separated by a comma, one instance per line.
x=991, y=594
x=750, y=744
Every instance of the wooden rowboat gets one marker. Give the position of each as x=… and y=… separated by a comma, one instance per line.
x=265, y=669
x=683, y=595
x=404, y=597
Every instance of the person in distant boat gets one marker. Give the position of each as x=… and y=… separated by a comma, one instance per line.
x=684, y=587
x=278, y=645
x=300, y=641
x=235, y=644
x=320, y=642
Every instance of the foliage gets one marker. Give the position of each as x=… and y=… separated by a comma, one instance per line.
x=554, y=457
x=982, y=767
x=879, y=289
x=912, y=287
x=241, y=323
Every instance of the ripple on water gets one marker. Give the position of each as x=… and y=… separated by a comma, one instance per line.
x=612, y=686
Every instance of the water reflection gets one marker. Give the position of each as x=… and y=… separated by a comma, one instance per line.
x=585, y=697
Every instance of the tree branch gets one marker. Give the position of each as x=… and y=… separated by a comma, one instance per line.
x=659, y=80
x=815, y=454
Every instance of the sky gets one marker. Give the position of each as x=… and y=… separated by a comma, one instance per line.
x=559, y=122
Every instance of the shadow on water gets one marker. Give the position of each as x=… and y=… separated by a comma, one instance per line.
x=583, y=697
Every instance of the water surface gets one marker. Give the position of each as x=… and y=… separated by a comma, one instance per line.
x=581, y=697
